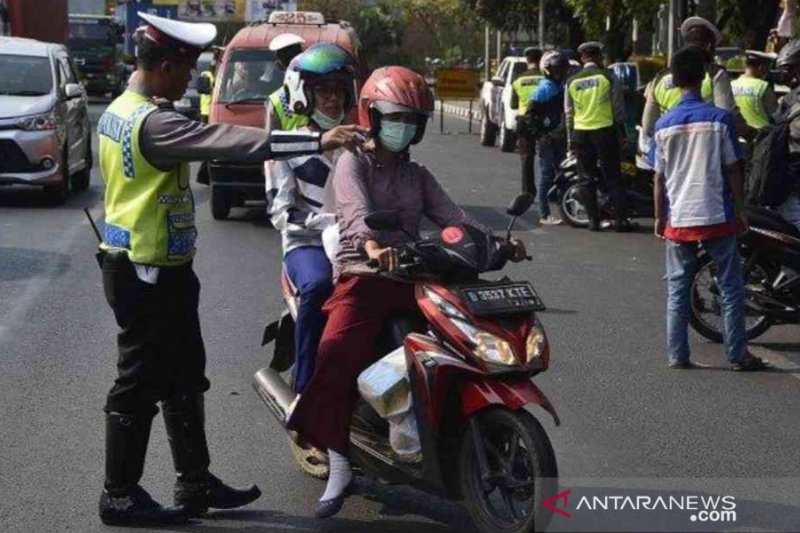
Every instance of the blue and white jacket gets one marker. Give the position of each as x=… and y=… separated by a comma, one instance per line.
x=692, y=145
x=300, y=198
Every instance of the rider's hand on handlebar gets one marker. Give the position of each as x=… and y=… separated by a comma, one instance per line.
x=349, y=136
x=386, y=258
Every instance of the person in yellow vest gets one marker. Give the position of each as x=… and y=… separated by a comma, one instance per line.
x=754, y=95
x=595, y=114
x=146, y=254
x=661, y=94
x=205, y=110
x=522, y=88
x=205, y=99
x=280, y=116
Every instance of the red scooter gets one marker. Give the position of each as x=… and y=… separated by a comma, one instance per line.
x=470, y=354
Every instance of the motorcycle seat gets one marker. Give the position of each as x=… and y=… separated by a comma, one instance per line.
x=769, y=219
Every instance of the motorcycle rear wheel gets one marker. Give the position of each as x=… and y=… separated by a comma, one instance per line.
x=705, y=299
x=572, y=209
x=301, y=456
x=523, y=471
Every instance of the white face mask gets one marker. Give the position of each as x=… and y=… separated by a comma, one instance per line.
x=396, y=136
x=324, y=121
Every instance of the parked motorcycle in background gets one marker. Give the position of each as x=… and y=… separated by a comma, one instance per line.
x=444, y=411
x=570, y=190
x=770, y=256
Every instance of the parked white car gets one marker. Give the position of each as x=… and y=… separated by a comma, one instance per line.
x=498, y=117
x=45, y=136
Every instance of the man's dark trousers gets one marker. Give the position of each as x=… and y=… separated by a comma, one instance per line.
x=527, y=153
x=593, y=146
x=161, y=352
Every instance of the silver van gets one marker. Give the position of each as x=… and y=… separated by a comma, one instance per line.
x=45, y=135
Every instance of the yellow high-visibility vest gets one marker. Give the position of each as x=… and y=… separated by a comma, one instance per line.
x=149, y=212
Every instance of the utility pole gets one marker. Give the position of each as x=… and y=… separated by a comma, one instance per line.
x=486, y=52
x=541, y=24
x=499, y=47
x=674, y=24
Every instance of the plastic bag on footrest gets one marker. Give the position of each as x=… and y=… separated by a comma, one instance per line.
x=384, y=385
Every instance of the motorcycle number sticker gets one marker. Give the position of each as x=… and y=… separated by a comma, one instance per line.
x=452, y=235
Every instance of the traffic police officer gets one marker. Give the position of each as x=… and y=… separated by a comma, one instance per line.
x=595, y=114
x=148, y=280
x=754, y=95
x=522, y=88
x=662, y=95
x=279, y=116
x=205, y=99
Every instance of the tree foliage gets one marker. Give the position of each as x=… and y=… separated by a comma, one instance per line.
x=746, y=22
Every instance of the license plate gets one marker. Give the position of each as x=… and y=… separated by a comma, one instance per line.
x=501, y=298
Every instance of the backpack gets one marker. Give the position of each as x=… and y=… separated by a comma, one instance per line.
x=769, y=181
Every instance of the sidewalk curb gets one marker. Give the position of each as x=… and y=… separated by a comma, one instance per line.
x=461, y=112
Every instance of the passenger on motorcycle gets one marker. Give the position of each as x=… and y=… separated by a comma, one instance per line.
x=395, y=104
x=319, y=84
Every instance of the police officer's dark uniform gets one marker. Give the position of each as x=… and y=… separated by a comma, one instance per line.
x=522, y=88
x=595, y=112
x=149, y=282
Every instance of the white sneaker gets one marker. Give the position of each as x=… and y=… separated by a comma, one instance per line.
x=550, y=221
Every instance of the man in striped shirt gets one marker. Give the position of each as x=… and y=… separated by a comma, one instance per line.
x=698, y=198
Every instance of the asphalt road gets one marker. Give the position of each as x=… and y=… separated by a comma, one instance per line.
x=623, y=413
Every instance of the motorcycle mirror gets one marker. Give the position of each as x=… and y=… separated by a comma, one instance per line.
x=385, y=220
x=520, y=204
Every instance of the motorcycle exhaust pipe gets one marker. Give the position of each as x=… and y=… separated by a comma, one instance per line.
x=274, y=391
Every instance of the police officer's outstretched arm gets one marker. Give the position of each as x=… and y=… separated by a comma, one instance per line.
x=169, y=138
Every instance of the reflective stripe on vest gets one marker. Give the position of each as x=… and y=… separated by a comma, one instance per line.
x=667, y=95
x=205, y=99
x=591, y=99
x=288, y=120
x=749, y=95
x=524, y=86
x=149, y=212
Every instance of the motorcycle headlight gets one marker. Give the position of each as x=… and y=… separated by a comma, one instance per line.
x=490, y=348
x=536, y=343
x=46, y=121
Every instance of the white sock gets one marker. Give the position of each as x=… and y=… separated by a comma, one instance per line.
x=339, y=477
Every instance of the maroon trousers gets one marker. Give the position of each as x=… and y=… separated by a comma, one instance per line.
x=357, y=312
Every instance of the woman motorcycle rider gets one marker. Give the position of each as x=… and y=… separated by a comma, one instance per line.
x=319, y=84
x=395, y=104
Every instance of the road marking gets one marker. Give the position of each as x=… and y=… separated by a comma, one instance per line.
x=777, y=360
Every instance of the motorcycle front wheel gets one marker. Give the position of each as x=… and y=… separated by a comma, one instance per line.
x=706, y=308
x=522, y=473
x=572, y=209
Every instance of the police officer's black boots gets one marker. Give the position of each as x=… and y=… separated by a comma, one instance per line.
x=124, y=502
x=196, y=488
